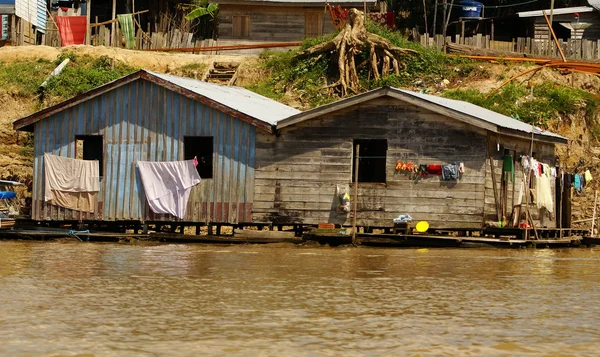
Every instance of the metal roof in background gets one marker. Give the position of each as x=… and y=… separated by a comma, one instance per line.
x=236, y=98
x=559, y=11
x=594, y=3
x=476, y=111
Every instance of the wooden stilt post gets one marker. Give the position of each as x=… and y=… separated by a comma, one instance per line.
x=594, y=214
x=355, y=193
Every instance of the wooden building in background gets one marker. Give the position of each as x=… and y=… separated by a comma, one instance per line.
x=298, y=171
x=282, y=20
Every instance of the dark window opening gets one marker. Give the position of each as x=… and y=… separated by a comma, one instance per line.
x=371, y=160
x=202, y=148
x=90, y=147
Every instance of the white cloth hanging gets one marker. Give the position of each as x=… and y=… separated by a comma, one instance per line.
x=71, y=183
x=168, y=185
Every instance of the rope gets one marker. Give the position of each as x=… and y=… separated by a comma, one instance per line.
x=73, y=233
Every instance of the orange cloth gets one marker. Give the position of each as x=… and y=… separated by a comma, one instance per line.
x=71, y=29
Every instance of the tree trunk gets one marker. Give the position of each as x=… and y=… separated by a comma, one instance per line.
x=352, y=40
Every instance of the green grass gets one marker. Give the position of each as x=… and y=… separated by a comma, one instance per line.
x=547, y=102
x=23, y=78
x=83, y=74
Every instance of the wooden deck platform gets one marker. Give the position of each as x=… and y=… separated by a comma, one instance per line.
x=458, y=240
x=506, y=238
x=253, y=237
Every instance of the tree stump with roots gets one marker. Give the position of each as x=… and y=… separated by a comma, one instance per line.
x=352, y=40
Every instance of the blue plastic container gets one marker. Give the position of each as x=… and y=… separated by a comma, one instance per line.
x=470, y=8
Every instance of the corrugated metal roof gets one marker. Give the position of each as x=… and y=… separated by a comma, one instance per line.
x=459, y=110
x=476, y=111
x=240, y=99
x=559, y=11
x=594, y=3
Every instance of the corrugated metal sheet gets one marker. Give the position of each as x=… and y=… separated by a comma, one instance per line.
x=237, y=98
x=461, y=110
x=594, y=3
x=32, y=11
x=481, y=113
x=559, y=11
x=144, y=121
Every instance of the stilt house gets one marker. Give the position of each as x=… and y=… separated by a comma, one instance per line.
x=148, y=116
x=314, y=152
x=264, y=162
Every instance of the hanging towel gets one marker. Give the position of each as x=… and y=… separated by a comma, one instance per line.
x=509, y=166
x=544, y=193
x=168, y=185
x=126, y=23
x=588, y=176
x=71, y=183
x=72, y=29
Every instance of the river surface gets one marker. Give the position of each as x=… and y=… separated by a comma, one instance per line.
x=89, y=299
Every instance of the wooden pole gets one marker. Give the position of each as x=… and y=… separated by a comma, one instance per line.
x=355, y=194
x=594, y=214
x=425, y=16
x=528, y=214
x=115, y=20
x=88, y=30
x=435, y=10
x=562, y=54
x=112, y=26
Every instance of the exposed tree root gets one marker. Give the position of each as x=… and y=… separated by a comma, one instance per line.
x=352, y=40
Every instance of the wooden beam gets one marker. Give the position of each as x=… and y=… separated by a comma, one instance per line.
x=112, y=26
x=562, y=55
x=88, y=30
x=115, y=20
x=355, y=193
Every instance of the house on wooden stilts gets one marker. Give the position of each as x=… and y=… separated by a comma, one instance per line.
x=148, y=116
x=299, y=170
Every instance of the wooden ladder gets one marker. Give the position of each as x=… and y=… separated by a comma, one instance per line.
x=222, y=73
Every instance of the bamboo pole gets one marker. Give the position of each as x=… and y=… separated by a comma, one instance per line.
x=594, y=214
x=355, y=194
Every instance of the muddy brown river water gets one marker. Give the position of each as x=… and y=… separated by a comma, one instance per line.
x=81, y=299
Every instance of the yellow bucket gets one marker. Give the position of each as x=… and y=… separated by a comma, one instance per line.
x=422, y=226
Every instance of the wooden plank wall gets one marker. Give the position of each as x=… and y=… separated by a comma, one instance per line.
x=297, y=172
x=143, y=121
x=272, y=23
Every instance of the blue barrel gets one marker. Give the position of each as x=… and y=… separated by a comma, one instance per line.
x=470, y=8
x=4, y=195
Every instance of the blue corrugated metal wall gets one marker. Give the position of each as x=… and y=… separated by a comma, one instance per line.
x=143, y=121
